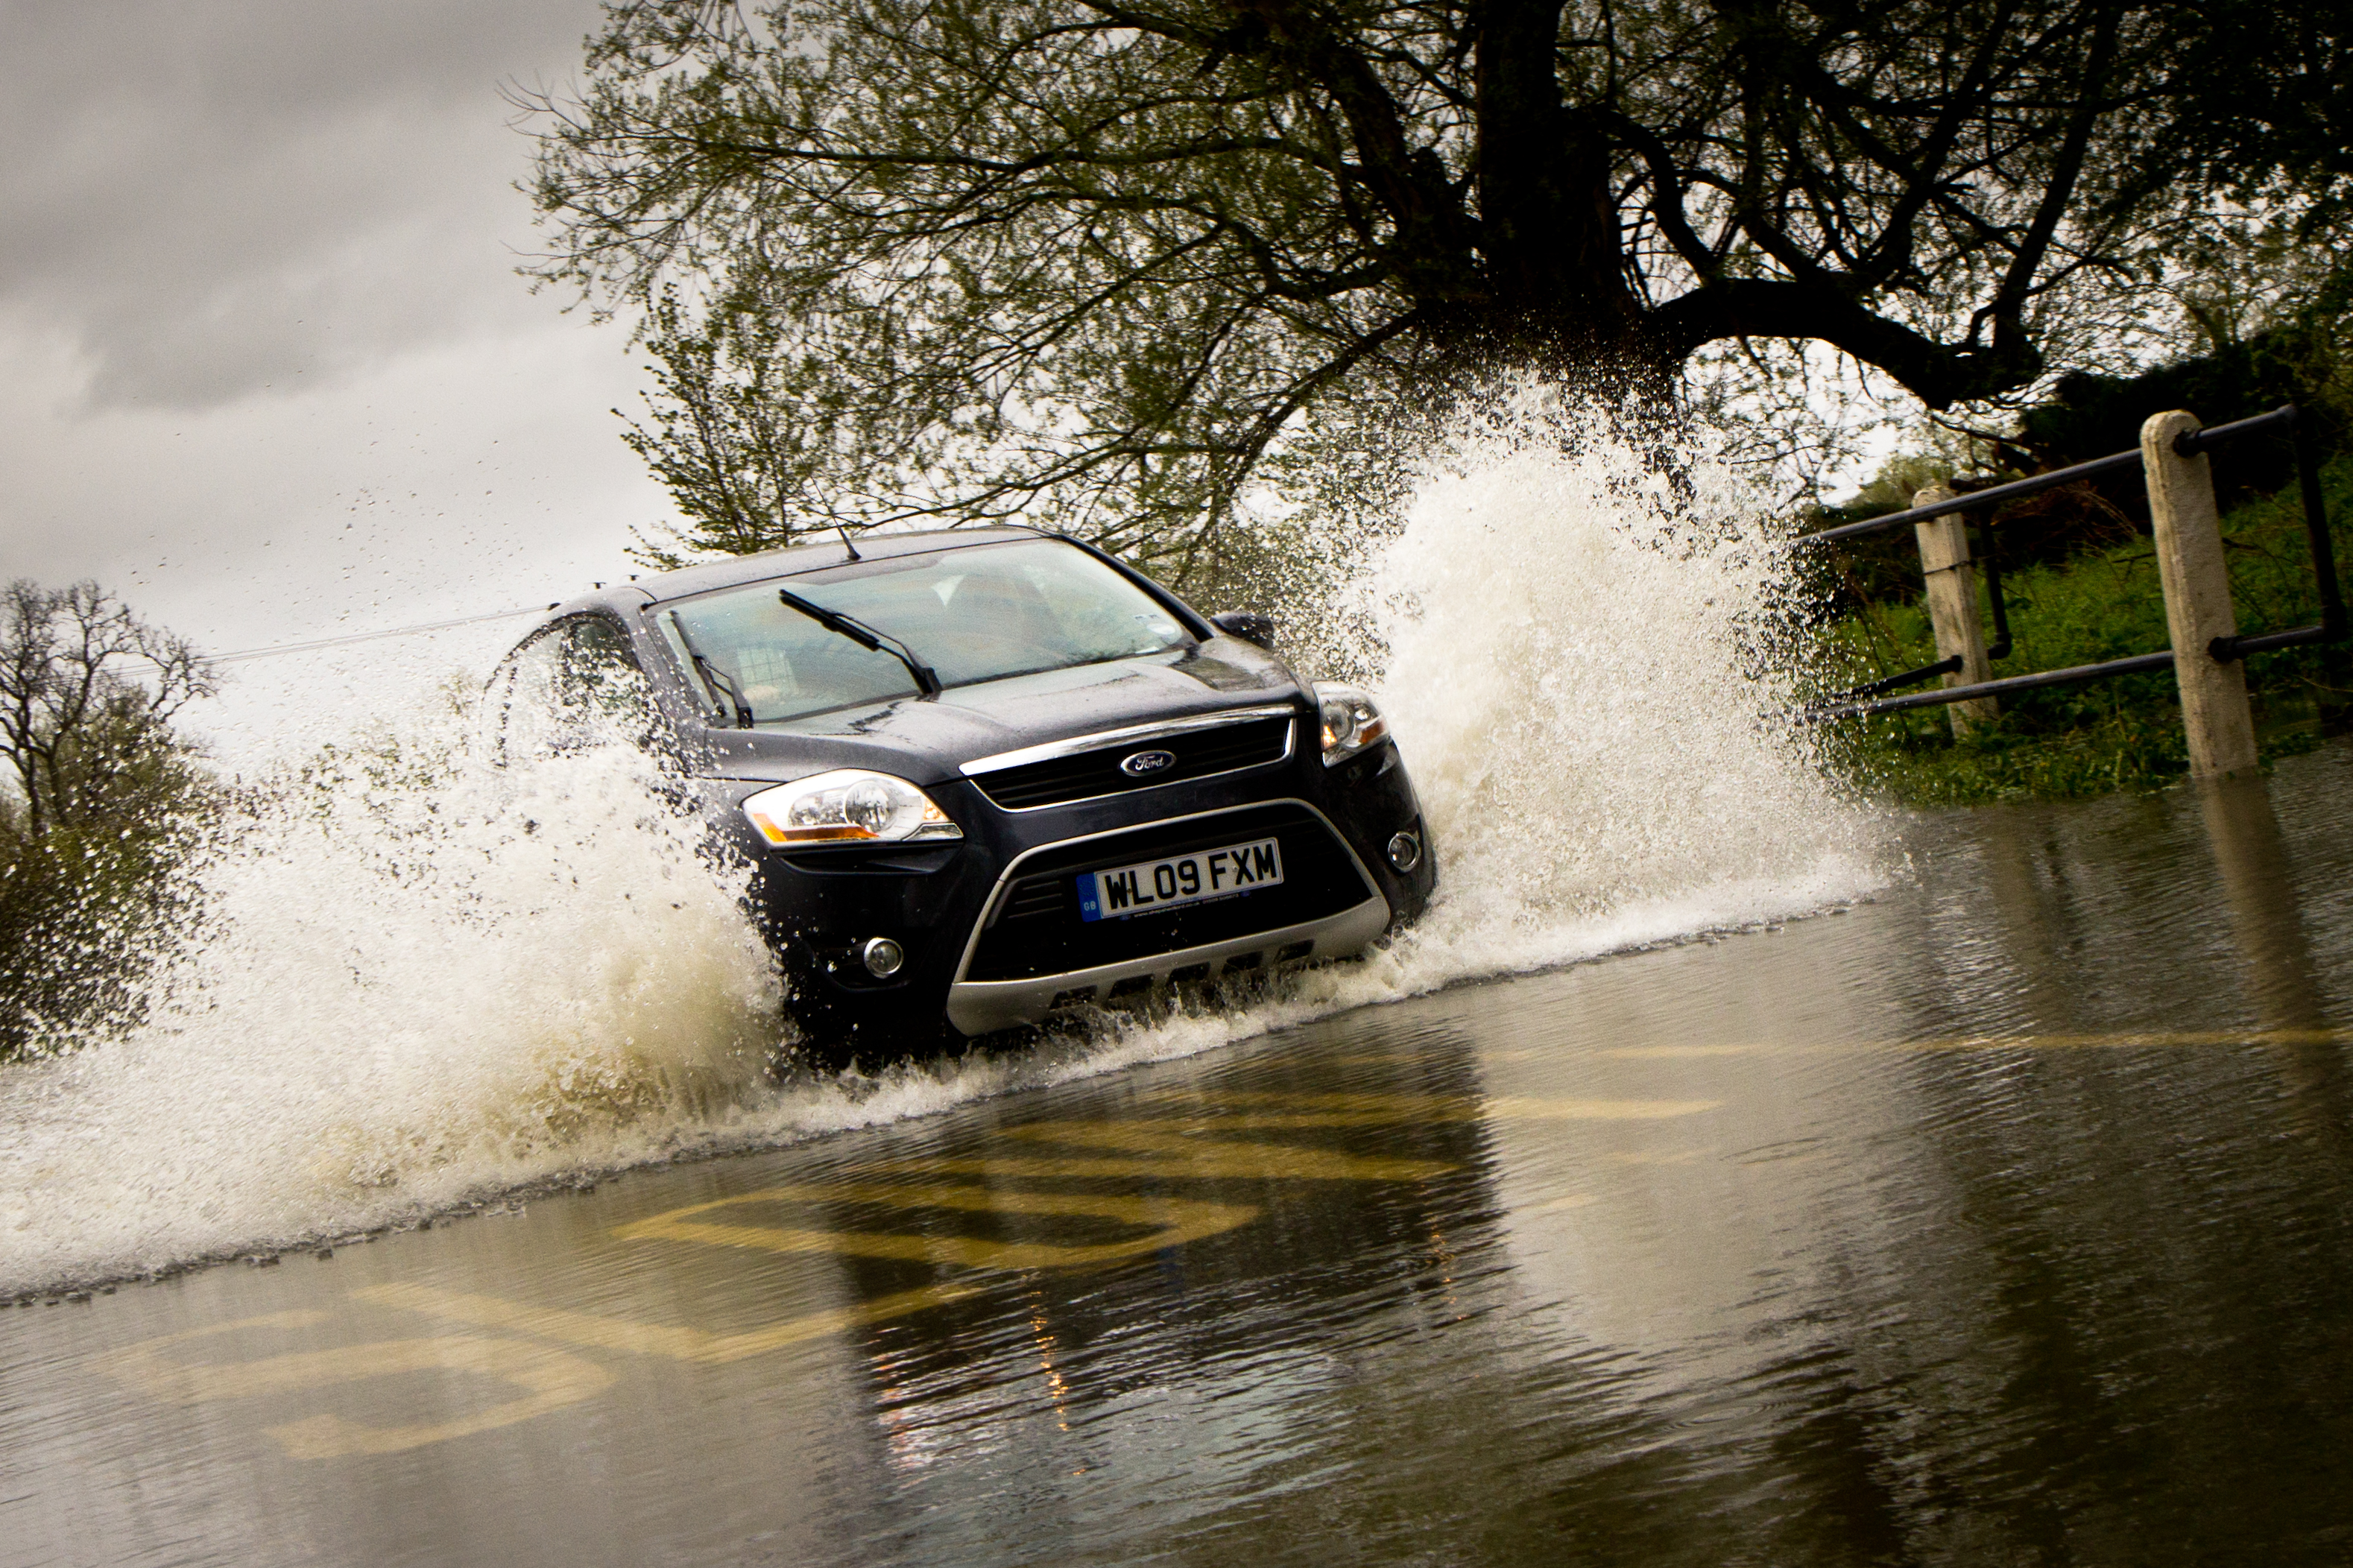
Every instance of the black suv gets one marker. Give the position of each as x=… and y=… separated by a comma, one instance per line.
x=985, y=774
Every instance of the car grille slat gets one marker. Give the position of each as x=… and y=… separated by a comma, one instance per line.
x=1034, y=900
x=1038, y=929
x=1088, y=774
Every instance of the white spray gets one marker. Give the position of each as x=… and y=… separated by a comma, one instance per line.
x=424, y=981
x=418, y=978
x=1587, y=665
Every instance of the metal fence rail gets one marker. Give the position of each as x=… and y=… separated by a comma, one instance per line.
x=2330, y=628
x=1985, y=497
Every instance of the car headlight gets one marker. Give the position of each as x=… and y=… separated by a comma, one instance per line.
x=1351, y=721
x=847, y=805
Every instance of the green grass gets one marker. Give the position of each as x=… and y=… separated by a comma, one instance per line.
x=2102, y=603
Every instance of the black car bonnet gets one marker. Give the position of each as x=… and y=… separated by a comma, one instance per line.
x=928, y=740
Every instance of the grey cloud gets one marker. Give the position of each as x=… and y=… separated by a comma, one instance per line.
x=215, y=201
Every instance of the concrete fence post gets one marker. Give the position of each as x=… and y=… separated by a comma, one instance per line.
x=2221, y=730
x=1953, y=605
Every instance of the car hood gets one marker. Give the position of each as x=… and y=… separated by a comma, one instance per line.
x=928, y=740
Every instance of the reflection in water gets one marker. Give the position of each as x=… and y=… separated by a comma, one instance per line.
x=2259, y=885
x=2259, y=882
x=2002, y=1220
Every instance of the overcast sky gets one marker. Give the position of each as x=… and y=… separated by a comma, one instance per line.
x=268, y=372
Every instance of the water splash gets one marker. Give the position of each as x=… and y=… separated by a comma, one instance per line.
x=424, y=981
x=1587, y=655
x=417, y=978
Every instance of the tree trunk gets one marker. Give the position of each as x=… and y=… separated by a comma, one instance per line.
x=1548, y=223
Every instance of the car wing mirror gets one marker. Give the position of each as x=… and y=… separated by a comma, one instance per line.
x=1246, y=625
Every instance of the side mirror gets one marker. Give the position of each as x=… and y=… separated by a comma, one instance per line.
x=1246, y=625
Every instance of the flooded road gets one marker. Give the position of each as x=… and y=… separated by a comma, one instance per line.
x=2002, y=1219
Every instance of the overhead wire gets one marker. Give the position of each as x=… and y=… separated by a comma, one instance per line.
x=241, y=655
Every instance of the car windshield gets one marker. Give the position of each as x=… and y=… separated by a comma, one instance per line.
x=979, y=613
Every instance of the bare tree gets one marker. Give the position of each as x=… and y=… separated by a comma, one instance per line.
x=99, y=806
x=84, y=686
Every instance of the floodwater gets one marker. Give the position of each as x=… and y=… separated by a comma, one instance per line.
x=2000, y=1218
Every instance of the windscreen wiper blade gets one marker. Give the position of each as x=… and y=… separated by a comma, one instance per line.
x=721, y=683
x=712, y=676
x=865, y=637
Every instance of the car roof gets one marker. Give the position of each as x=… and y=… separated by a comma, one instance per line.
x=817, y=555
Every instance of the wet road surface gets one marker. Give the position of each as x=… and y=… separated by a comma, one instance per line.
x=2002, y=1219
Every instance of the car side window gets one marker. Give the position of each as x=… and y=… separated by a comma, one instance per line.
x=596, y=671
x=575, y=685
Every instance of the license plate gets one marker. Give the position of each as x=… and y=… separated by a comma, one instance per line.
x=1151, y=885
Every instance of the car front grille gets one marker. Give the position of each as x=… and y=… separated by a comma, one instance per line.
x=1037, y=928
x=1058, y=781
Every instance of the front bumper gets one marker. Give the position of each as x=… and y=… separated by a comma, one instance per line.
x=958, y=910
x=1341, y=907
x=983, y=1007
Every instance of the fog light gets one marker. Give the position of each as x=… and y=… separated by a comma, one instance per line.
x=1404, y=851
x=882, y=957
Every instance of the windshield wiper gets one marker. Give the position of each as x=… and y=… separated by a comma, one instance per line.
x=720, y=682
x=714, y=677
x=866, y=636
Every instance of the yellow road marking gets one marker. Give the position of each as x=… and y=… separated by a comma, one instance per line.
x=1184, y=1154
x=551, y=1378
x=552, y=1322
x=2154, y=1038
x=1173, y=1222
x=1532, y=1110
x=1348, y=1110
x=1155, y=1149
x=653, y=1339
x=2116, y=1040
x=1391, y=1058
x=1212, y=1168
x=2109, y=1040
